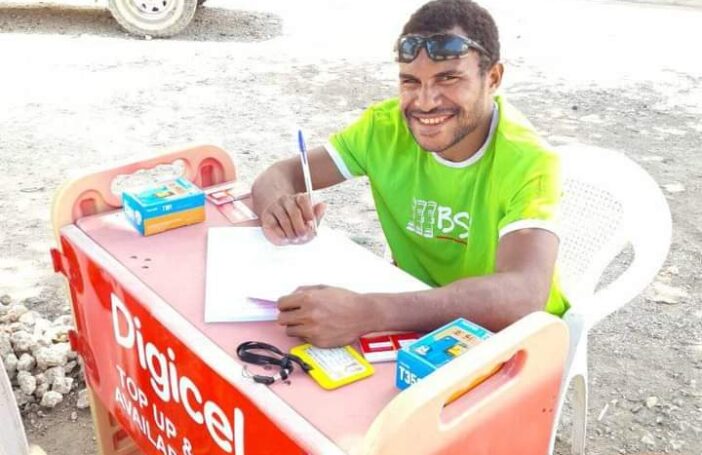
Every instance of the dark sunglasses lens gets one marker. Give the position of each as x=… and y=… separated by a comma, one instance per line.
x=446, y=47
x=408, y=48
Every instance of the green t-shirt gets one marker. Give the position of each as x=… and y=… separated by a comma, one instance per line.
x=443, y=220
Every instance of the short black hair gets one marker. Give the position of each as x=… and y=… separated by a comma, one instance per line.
x=476, y=22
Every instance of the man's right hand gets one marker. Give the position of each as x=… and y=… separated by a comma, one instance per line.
x=283, y=205
x=291, y=219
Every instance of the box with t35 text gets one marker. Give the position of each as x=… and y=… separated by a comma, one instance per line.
x=435, y=349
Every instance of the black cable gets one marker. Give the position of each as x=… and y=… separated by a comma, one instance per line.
x=286, y=362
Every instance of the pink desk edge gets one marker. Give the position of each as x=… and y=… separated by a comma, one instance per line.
x=176, y=272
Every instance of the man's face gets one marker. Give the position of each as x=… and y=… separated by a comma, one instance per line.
x=444, y=102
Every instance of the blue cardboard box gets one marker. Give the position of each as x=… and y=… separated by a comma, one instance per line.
x=435, y=349
x=164, y=206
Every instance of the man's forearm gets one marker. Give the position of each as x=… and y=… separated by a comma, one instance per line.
x=278, y=180
x=493, y=301
x=285, y=178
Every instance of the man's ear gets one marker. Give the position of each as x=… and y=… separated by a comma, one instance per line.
x=494, y=77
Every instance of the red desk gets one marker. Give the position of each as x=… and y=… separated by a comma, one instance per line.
x=161, y=376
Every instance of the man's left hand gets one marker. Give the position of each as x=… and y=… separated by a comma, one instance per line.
x=325, y=316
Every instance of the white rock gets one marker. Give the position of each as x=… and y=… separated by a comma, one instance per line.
x=651, y=402
x=673, y=270
x=648, y=439
x=29, y=318
x=70, y=366
x=5, y=345
x=64, y=320
x=22, y=398
x=41, y=378
x=66, y=349
x=10, y=362
x=40, y=326
x=55, y=372
x=40, y=342
x=51, y=399
x=57, y=333
x=22, y=341
x=674, y=187
x=662, y=293
x=83, y=401
x=677, y=444
x=17, y=326
x=26, y=362
x=27, y=383
x=15, y=311
x=30, y=302
x=50, y=357
x=62, y=385
x=41, y=390
x=696, y=351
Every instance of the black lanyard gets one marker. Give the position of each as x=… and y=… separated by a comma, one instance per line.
x=283, y=361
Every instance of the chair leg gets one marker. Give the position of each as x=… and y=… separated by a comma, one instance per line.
x=575, y=367
x=579, y=414
x=557, y=417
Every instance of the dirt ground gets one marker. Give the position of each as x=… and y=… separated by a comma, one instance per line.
x=76, y=92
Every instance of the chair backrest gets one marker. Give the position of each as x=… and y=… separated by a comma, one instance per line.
x=608, y=202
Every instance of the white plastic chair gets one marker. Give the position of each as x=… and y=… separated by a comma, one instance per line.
x=12, y=438
x=608, y=202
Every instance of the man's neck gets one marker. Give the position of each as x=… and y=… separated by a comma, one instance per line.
x=471, y=143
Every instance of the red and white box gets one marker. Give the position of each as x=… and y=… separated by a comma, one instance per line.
x=383, y=348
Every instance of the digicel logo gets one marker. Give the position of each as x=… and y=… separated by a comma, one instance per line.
x=169, y=385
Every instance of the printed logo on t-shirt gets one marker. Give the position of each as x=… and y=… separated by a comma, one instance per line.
x=431, y=220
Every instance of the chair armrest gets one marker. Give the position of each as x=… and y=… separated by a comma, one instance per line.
x=632, y=282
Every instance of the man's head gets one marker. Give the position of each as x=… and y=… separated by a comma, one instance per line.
x=446, y=94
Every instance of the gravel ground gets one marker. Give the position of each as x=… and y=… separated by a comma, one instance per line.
x=77, y=92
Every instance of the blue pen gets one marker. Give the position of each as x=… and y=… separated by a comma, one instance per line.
x=306, y=170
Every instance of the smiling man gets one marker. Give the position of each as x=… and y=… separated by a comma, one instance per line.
x=465, y=190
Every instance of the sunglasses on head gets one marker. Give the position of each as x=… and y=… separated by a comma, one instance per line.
x=439, y=47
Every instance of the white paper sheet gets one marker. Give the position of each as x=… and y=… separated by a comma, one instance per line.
x=246, y=274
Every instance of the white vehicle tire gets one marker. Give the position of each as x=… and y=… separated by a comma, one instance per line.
x=158, y=18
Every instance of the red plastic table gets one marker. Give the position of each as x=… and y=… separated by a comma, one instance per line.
x=162, y=381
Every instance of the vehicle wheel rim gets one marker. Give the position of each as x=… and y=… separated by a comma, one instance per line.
x=153, y=10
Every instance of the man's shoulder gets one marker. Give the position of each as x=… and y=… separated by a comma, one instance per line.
x=516, y=139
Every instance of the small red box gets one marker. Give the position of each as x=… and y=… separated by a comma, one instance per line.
x=383, y=348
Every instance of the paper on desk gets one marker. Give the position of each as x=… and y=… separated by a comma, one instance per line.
x=246, y=274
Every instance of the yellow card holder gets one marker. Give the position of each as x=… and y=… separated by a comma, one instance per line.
x=335, y=367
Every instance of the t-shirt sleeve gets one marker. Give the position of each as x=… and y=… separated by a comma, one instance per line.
x=534, y=202
x=349, y=147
